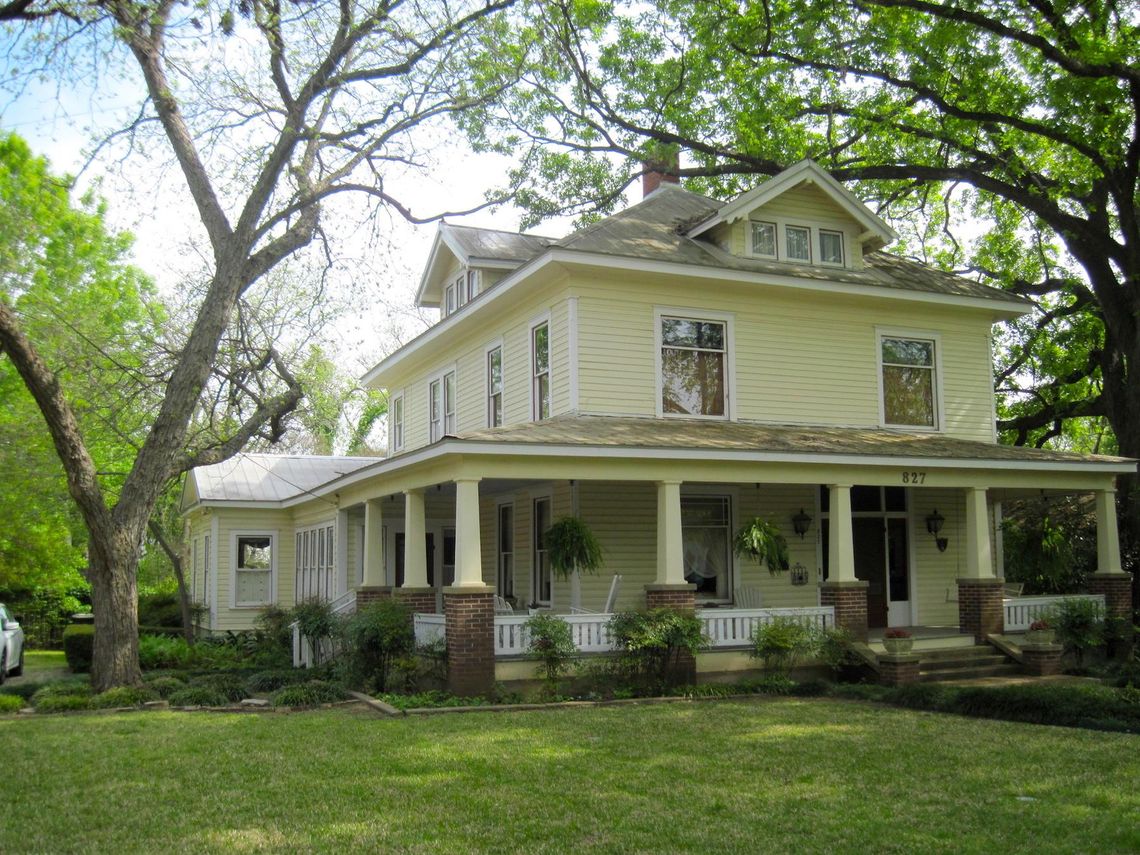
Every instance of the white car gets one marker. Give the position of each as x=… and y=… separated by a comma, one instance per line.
x=11, y=645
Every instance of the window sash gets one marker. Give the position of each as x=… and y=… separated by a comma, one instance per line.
x=764, y=239
x=908, y=381
x=694, y=367
x=396, y=411
x=830, y=247
x=706, y=535
x=542, y=581
x=797, y=243
x=495, y=387
x=449, y=403
x=253, y=570
x=540, y=366
x=506, y=541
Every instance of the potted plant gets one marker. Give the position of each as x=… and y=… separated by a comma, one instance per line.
x=898, y=641
x=1040, y=632
x=763, y=542
x=572, y=548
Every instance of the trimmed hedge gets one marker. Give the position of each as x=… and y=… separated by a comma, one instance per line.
x=79, y=646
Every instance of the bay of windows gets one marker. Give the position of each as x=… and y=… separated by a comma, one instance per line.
x=908, y=381
x=693, y=366
x=786, y=242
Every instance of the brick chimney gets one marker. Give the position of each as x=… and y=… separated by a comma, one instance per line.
x=661, y=166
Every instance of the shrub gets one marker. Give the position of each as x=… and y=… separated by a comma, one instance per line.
x=63, y=703
x=317, y=625
x=165, y=686
x=781, y=644
x=1079, y=626
x=275, y=632
x=78, y=647
x=271, y=681
x=771, y=684
x=552, y=643
x=11, y=703
x=25, y=689
x=62, y=688
x=653, y=643
x=430, y=700
x=811, y=689
x=163, y=651
x=310, y=694
x=123, y=696
x=230, y=686
x=198, y=696
x=160, y=609
x=835, y=648
x=374, y=639
x=1070, y=705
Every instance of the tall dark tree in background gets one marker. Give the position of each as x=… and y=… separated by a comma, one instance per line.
x=311, y=100
x=1020, y=117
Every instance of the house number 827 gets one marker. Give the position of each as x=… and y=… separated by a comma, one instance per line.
x=914, y=477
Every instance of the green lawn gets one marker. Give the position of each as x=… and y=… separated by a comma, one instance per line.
x=41, y=663
x=765, y=775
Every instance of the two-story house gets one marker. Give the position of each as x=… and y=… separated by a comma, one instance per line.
x=665, y=375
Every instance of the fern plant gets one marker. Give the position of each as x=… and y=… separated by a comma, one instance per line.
x=572, y=548
x=763, y=542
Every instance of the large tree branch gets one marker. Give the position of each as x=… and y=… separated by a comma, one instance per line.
x=1048, y=415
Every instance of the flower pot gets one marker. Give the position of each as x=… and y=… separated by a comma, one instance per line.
x=1035, y=637
x=898, y=646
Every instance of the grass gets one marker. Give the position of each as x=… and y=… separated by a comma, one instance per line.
x=768, y=775
x=41, y=663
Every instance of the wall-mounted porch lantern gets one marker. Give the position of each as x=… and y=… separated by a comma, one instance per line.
x=801, y=522
x=934, y=523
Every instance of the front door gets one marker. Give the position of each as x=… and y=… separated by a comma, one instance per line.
x=871, y=566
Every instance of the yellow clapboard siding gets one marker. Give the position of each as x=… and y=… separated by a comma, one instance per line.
x=256, y=520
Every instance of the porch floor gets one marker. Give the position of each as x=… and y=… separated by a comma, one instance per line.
x=925, y=638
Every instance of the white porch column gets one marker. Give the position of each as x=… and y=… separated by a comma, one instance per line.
x=373, y=545
x=415, y=540
x=841, y=541
x=979, y=552
x=341, y=567
x=670, y=547
x=468, y=549
x=1107, y=536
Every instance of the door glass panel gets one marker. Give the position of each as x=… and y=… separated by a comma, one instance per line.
x=896, y=560
x=896, y=498
x=449, y=556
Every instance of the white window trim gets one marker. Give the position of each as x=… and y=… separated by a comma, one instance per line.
x=438, y=377
x=535, y=324
x=842, y=263
x=487, y=350
x=536, y=497
x=733, y=495
x=750, y=243
x=814, y=227
x=393, y=398
x=939, y=407
x=274, y=558
x=695, y=314
x=499, y=505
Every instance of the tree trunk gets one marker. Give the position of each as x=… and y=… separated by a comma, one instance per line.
x=114, y=601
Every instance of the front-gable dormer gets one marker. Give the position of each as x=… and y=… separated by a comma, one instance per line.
x=801, y=216
x=465, y=262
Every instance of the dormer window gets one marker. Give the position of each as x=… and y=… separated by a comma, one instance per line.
x=797, y=241
x=764, y=239
x=449, y=304
x=830, y=247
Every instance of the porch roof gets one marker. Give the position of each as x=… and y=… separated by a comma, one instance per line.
x=708, y=435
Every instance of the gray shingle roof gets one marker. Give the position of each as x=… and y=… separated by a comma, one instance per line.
x=270, y=477
x=610, y=432
x=496, y=244
x=652, y=230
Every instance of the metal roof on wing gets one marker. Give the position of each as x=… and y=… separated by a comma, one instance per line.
x=270, y=477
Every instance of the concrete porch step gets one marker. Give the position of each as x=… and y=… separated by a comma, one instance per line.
x=938, y=675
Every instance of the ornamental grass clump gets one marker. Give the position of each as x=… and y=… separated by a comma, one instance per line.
x=11, y=704
x=310, y=694
x=165, y=686
x=198, y=696
x=123, y=696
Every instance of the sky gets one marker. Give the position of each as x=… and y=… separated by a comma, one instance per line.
x=378, y=263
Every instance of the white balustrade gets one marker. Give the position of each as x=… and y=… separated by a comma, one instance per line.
x=345, y=604
x=735, y=627
x=429, y=628
x=1020, y=612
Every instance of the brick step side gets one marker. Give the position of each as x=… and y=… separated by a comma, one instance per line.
x=972, y=652
x=963, y=662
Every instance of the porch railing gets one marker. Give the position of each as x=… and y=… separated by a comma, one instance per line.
x=345, y=604
x=724, y=628
x=429, y=628
x=734, y=627
x=1020, y=612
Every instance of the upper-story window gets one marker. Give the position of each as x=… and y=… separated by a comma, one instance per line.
x=797, y=243
x=472, y=284
x=764, y=239
x=460, y=289
x=540, y=370
x=396, y=422
x=910, y=382
x=495, y=387
x=441, y=396
x=830, y=247
x=449, y=297
x=694, y=367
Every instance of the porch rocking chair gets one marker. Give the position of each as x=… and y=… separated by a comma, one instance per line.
x=502, y=607
x=611, y=598
x=747, y=598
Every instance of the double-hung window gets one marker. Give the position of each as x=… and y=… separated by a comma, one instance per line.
x=694, y=366
x=396, y=422
x=540, y=370
x=706, y=538
x=797, y=243
x=253, y=569
x=441, y=395
x=764, y=239
x=830, y=247
x=449, y=304
x=495, y=387
x=506, y=570
x=541, y=582
x=910, y=384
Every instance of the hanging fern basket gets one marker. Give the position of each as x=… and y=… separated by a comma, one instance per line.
x=762, y=541
x=572, y=548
